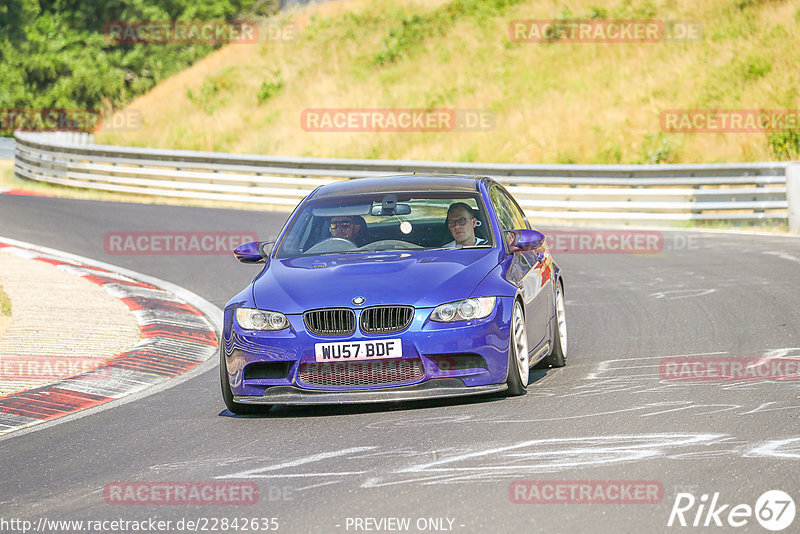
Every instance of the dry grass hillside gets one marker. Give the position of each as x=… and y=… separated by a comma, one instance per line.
x=552, y=102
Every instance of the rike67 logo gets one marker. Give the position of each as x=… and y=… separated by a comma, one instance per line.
x=774, y=510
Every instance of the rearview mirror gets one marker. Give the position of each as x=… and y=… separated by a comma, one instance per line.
x=397, y=209
x=253, y=252
x=524, y=239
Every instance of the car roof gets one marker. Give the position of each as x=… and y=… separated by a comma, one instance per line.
x=400, y=184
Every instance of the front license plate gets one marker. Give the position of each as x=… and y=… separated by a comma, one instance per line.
x=348, y=351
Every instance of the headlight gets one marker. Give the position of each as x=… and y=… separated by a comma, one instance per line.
x=251, y=319
x=464, y=310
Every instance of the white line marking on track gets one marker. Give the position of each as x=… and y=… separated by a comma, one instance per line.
x=689, y=406
x=256, y=473
x=328, y=483
x=773, y=449
x=675, y=294
x=782, y=255
x=759, y=408
x=637, y=447
x=299, y=475
x=604, y=365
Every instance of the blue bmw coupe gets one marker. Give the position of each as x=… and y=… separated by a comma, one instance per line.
x=394, y=288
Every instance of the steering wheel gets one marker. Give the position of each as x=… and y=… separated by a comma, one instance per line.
x=333, y=244
x=390, y=244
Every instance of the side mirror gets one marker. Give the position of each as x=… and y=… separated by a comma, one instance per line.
x=253, y=252
x=524, y=239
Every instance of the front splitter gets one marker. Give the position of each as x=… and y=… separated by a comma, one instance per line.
x=432, y=389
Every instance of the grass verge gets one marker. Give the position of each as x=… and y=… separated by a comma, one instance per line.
x=550, y=102
x=5, y=303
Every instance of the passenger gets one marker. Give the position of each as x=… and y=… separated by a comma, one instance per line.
x=461, y=222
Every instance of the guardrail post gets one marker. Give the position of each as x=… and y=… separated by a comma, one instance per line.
x=793, y=196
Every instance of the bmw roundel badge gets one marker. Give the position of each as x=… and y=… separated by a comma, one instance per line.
x=358, y=300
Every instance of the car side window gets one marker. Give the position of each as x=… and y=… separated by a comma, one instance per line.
x=518, y=214
x=508, y=212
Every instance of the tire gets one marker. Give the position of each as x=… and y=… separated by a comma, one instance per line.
x=518, y=358
x=227, y=395
x=558, y=356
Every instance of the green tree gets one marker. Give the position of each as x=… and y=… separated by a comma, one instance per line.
x=54, y=54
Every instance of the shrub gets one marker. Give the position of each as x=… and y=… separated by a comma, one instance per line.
x=785, y=145
x=270, y=88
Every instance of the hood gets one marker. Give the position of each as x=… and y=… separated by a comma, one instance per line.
x=419, y=279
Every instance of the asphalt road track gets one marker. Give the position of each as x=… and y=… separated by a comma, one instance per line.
x=606, y=416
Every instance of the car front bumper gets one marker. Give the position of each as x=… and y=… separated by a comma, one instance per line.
x=423, y=342
x=432, y=389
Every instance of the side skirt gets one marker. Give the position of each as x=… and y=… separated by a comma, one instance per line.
x=541, y=353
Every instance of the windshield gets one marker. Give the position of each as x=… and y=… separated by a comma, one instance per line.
x=381, y=222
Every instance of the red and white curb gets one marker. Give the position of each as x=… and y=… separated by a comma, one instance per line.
x=8, y=191
x=178, y=328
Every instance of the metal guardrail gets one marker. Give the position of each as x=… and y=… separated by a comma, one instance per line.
x=6, y=147
x=619, y=193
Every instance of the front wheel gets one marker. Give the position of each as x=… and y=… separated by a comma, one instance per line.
x=227, y=395
x=558, y=357
x=518, y=362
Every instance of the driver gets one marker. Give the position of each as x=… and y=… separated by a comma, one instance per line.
x=349, y=228
x=461, y=222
